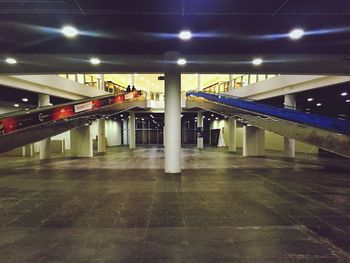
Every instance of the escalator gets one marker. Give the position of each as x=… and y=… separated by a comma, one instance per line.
x=324, y=132
x=24, y=127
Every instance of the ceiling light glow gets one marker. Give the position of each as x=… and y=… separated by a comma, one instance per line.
x=344, y=94
x=319, y=104
x=310, y=99
x=296, y=33
x=11, y=61
x=95, y=61
x=181, y=61
x=69, y=31
x=185, y=35
x=25, y=99
x=16, y=105
x=257, y=61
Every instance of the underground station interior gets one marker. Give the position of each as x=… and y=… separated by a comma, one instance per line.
x=175, y=131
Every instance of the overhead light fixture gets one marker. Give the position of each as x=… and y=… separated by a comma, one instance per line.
x=185, y=35
x=296, y=33
x=347, y=101
x=95, y=61
x=181, y=61
x=16, y=105
x=344, y=94
x=216, y=118
x=310, y=99
x=257, y=61
x=319, y=104
x=69, y=31
x=11, y=61
x=24, y=99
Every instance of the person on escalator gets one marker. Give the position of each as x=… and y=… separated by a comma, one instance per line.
x=128, y=89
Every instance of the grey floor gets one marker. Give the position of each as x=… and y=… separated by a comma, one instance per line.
x=120, y=207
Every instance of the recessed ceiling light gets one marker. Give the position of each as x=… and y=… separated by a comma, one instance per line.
x=319, y=104
x=216, y=118
x=257, y=61
x=16, y=105
x=95, y=61
x=296, y=33
x=181, y=61
x=69, y=31
x=344, y=94
x=25, y=99
x=310, y=99
x=347, y=101
x=185, y=35
x=11, y=61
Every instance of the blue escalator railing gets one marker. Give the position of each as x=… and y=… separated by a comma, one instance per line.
x=327, y=123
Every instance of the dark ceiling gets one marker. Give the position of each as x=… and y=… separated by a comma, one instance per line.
x=150, y=26
x=333, y=104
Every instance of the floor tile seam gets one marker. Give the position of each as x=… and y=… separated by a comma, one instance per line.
x=295, y=219
x=302, y=196
x=148, y=222
x=326, y=243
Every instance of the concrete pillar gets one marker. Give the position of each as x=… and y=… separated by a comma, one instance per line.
x=253, y=141
x=289, y=144
x=232, y=134
x=81, y=142
x=125, y=132
x=172, y=114
x=101, y=143
x=131, y=80
x=230, y=79
x=29, y=150
x=44, y=145
x=101, y=85
x=199, y=83
x=200, y=142
x=132, y=137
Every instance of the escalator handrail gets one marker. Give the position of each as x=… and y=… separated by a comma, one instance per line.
x=328, y=123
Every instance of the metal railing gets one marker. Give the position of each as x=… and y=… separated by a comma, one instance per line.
x=94, y=82
x=237, y=83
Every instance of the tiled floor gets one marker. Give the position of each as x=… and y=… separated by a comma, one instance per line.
x=120, y=207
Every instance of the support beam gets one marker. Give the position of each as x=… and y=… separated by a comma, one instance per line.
x=230, y=84
x=125, y=132
x=81, y=142
x=132, y=137
x=289, y=144
x=172, y=114
x=44, y=145
x=199, y=82
x=200, y=142
x=232, y=134
x=101, y=142
x=253, y=141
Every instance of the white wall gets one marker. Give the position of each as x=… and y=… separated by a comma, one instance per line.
x=273, y=141
x=113, y=133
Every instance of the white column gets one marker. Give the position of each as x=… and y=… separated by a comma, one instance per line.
x=172, y=114
x=230, y=78
x=131, y=80
x=101, y=143
x=199, y=83
x=200, y=127
x=101, y=79
x=289, y=144
x=253, y=141
x=44, y=145
x=132, y=140
x=81, y=142
x=232, y=134
x=125, y=132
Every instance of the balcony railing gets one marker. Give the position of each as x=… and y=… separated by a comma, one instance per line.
x=94, y=82
x=237, y=83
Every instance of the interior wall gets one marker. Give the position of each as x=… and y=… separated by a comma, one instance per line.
x=273, y=141
x=113, y=133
